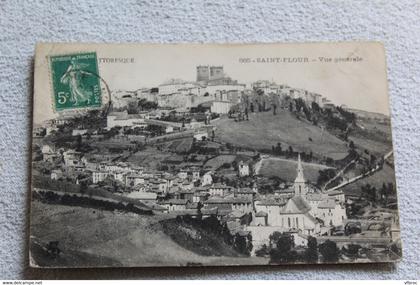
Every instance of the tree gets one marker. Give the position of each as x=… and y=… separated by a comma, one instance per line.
x=291, y=152
x=372, y=159
x=278, y=149
x=351, y=145
x=329, y=251
x=315, y=107
x=143, y=104
x=243, y=243
x=274, y=238
x=274, y=109
x=386, y=191
x=369, y=192
x=283, y=252
x=311, y=253
x=83, y=187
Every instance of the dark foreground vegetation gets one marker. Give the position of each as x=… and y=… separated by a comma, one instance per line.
x=207, y=237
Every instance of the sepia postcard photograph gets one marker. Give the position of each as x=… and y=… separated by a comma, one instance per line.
x=148, y=155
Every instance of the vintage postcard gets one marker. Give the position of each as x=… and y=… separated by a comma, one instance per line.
x=206, y=154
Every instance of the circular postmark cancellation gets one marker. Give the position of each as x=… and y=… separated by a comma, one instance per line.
x=76, y=83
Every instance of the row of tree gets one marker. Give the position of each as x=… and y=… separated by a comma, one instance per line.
x=85, y=201
x=281, y=249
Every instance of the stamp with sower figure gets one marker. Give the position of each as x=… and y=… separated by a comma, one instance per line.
x=75, y=81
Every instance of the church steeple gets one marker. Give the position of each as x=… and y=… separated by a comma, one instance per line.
x=300, y=178
x=300, y=186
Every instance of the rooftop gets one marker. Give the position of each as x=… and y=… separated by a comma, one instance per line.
x=245, y=191
x=270, y=202
x=175, y=202
x=220, y=185
x=327, y=204
x=315, y=197
x=261, y=214
x=297, y=205
x=228, y=200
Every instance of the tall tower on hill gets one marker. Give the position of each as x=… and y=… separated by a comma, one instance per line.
x=300, y=186
x=216, y=72
x=203, y=73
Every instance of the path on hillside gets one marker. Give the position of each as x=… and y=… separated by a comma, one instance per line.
x=354, y=179
x=338, y=174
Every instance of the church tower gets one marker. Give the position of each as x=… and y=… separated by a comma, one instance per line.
x=300, y=186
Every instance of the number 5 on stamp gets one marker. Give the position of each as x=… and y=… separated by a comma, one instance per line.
x=75, y=81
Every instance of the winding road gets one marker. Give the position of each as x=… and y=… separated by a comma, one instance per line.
x=354, y=179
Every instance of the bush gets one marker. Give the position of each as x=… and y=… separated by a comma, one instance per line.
x=329, y=251
x=263, y=251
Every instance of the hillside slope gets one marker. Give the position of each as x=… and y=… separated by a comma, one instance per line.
x=93, y=237
x=385, y=175
x=263, y=130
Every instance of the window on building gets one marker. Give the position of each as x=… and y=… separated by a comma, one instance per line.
x=288, y=221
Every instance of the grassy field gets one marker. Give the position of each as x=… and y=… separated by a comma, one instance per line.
x=263, y=130
x=387, y=175
x=377, y=148
x=89, y=237
x=218, y=161
x=178, y=145
x=149, y=157
x=286, y=169
x=375, y=137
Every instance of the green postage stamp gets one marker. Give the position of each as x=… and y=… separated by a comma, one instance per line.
x=75, y=81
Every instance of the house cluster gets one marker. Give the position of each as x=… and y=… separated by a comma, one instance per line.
x=300, y=207
x=305, y=211
x=281, y=90
x=213, y=90
x=301, y=210
x=144, y=119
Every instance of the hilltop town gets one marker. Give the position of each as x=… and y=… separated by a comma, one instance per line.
x=275, y=172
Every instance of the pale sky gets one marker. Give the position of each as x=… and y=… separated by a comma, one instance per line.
x=360, y=85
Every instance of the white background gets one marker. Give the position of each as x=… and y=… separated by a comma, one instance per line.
x=23, y=23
